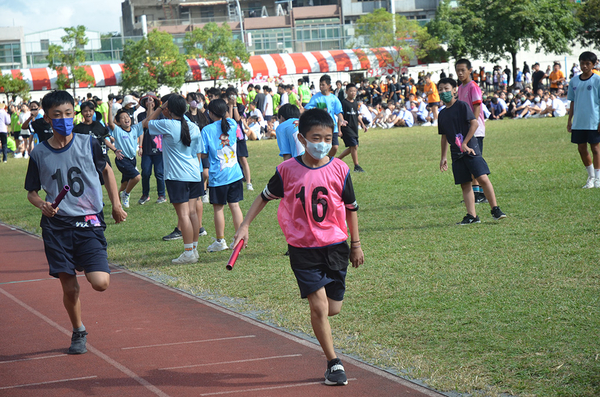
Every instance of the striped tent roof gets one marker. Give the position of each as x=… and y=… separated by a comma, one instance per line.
x=271, y=65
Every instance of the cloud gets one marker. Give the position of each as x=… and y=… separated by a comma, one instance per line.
x=38, y=15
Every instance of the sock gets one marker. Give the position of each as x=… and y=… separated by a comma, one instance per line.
x=126, y=194
x=590, y=170
x=195, y=244
x=188, y=247
x=80, y=329
x=220, y=238
x=476, y=189
x=597, y=174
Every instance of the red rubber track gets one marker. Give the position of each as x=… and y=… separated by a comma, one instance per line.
x=147, y=339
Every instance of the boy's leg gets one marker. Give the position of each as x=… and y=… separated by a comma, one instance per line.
x=488, y=189
x=246, y=169
x=344, y=153
x=586, y=158
x=434, y=109
x=219, y=218
x=354, y=154
x=236, y=214
x=595, y=154
x=71, y=301
x=131, y=184
x=193, y=216
x=319, y=313
x=159, y=174
x=184, y=224
x=98, y=280
x=468, y=197
x=146, y=172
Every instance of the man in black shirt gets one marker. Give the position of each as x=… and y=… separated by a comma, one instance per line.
x=537, y=77
x=350, y=130
x=260, y=99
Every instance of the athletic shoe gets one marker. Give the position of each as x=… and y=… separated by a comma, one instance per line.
x=480, y=198
x=217, y=245
x=597, y=182
x=175, y=235
x=497, y=213
x=186, y=257
x=358, y=168
x=469, y=219
x=78, y=341
x=249, y=187
x=335, y=374
x=390, y=125
x=427, y=124
x=590, y=183
x=205, y=198
x=434, y=124
x=143, y=200
x=17, y=156
x=122, y=195
x=202, y=232
x=26, y=155
x=161, y=199
x=126, y=201
x=196, y=254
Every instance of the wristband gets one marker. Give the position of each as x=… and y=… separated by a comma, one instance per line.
x=352, y=242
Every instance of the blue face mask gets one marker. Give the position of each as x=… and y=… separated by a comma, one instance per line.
x=63, y=126
x=318, y=150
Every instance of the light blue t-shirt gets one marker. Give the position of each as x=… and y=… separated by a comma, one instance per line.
x=222, y=154
x=585, y=95
x=181, y=162
x=126, y=141
x=330, y=102
x=287, y=138
x=407, y=117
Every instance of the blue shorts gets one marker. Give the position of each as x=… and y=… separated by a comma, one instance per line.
x=82, y=249
x=315, y=268
x=242, y=148
x=467, y=165
x=231, y=193
x=585, y=136
x=182, y=192
x=480, y=143
x=350, y=141
x=128, y=168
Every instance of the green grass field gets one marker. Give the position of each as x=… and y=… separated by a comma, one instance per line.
x=499, y=307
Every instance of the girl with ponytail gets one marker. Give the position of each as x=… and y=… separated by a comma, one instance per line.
x=224, y=173
x=182, y=147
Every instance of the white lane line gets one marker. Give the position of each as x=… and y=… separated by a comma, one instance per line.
x=33, y=358
x=265, y=388
x=46, y=279
x=90, y=348
x=188, y=342
x=231, y=362
x=48, y=383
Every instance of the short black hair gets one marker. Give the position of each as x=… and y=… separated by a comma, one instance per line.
x=325, y=78
x=447, y=80
x=588, y=56
x=88, y=104
x=289, y=111
x=56, y=98
x=314, y=118
x=463, y=61
x=350, y=85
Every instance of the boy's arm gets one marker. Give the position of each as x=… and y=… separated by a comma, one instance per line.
x=242, y=232
x=118, y=214
x=110, y=122
x=152, y=114
x=472, y=129
x=570, y=120
x=46, y=207
x=444, y=160
x=357, y=256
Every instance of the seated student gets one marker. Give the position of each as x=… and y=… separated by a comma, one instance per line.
x=287, y=132
x=537, y=107
x=365, y=114
x=547, y=106
x=418, y=110
x=253, y=129
x=271, y=130
x=522, y=106
x=496, y=110
x=381, y=118
x=403, y=118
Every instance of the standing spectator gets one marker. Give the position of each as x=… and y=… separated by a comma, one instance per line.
x=151, y=152
x=236, y=111
x=433, y=98
x=101, y=107
x=350, y=130
x=575, y=71
x=519, y=79
x=538, y=77
x=507, y=72
x=259, y=99
x=548, y=70
x=338, y=92
x=4, y=123
x=283, y=95
x=303, y=92
x=92, y=128
x=556, y=77
x=287, y=132
x=268, y=110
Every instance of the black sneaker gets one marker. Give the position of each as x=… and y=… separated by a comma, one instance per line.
x=335, y=374
x=202, y=232
x=78, y=341
x=175, y=235
x=480, y=198
x=358, y=168
x=469, y=219
x=497, y=213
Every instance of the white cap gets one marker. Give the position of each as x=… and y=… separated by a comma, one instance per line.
x=129, y=99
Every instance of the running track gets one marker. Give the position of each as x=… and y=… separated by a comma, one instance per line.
x=147, y=339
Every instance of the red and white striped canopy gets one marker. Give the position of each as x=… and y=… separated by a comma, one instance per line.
x=259, y=66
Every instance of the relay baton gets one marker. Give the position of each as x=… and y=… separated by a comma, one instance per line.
x=60, y=196
x=234, y=255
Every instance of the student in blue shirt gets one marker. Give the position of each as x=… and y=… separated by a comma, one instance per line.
x=182, y=147
x=125, y=148
x=224, y=173
x=287, y=132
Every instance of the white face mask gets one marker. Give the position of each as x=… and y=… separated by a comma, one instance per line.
x=537, y=99
x=318, y=150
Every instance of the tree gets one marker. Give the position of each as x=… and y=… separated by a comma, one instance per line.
x=499, y=29
x=589, y=16
x=14, y=86
x=71, y=58
x=220, y=50
x=153, y=62
x=412, y=41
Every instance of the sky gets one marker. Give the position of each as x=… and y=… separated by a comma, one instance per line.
x=38, y=15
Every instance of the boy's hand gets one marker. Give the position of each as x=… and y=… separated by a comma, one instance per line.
x=119, y=154
x=118, y=214
x=242, y=233
x=47, y=209
x=569, y=125
x=357, y=256
x=443, y=165
x=466, y=149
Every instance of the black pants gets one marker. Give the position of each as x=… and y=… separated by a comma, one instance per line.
x=3, y=136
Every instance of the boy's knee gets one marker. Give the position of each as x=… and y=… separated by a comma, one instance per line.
x=99, y=280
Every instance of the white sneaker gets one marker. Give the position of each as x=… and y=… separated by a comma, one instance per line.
x=249, y=187
x=434, y=124
x=122, y=195
x=126, y=201
x=597, y=182
x=18, y=156
x=196, y=254
x=26, y=155
x=217, y=245
x=205, y=198
x=590, y=183
x=390, y=125
x=186, y=257
x=427, y=124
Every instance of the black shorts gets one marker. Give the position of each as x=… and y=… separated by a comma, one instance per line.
x=315, y=268
x=268, y=118
x=335, y=141
x=480, y=143
x=585, y=136
x=182, y=192
x=128, y=168
x=16, y=135
x=82, y=249
x=350, y=141
x=205, y=163
x=467, y=165
x=232, y=193
x=242, y=148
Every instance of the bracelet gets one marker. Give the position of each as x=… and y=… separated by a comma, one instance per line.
x=140, y=147
x=352, y=242
x=355, y=246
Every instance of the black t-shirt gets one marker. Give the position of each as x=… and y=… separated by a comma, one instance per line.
x=537, y=78
x=455, y=122
x=350, y=110
x=259, y=101
x=96, y=129
x=42, y=129
x=364, y=94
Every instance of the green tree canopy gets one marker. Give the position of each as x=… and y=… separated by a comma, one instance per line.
x=153, y=62
x=376, y=30
x=71, y=56
x=589, y=15
x=499, y=29
x=220, y=49
x=14, y=86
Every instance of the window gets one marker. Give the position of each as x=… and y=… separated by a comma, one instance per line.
x=45, y=44
x=207, y=12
